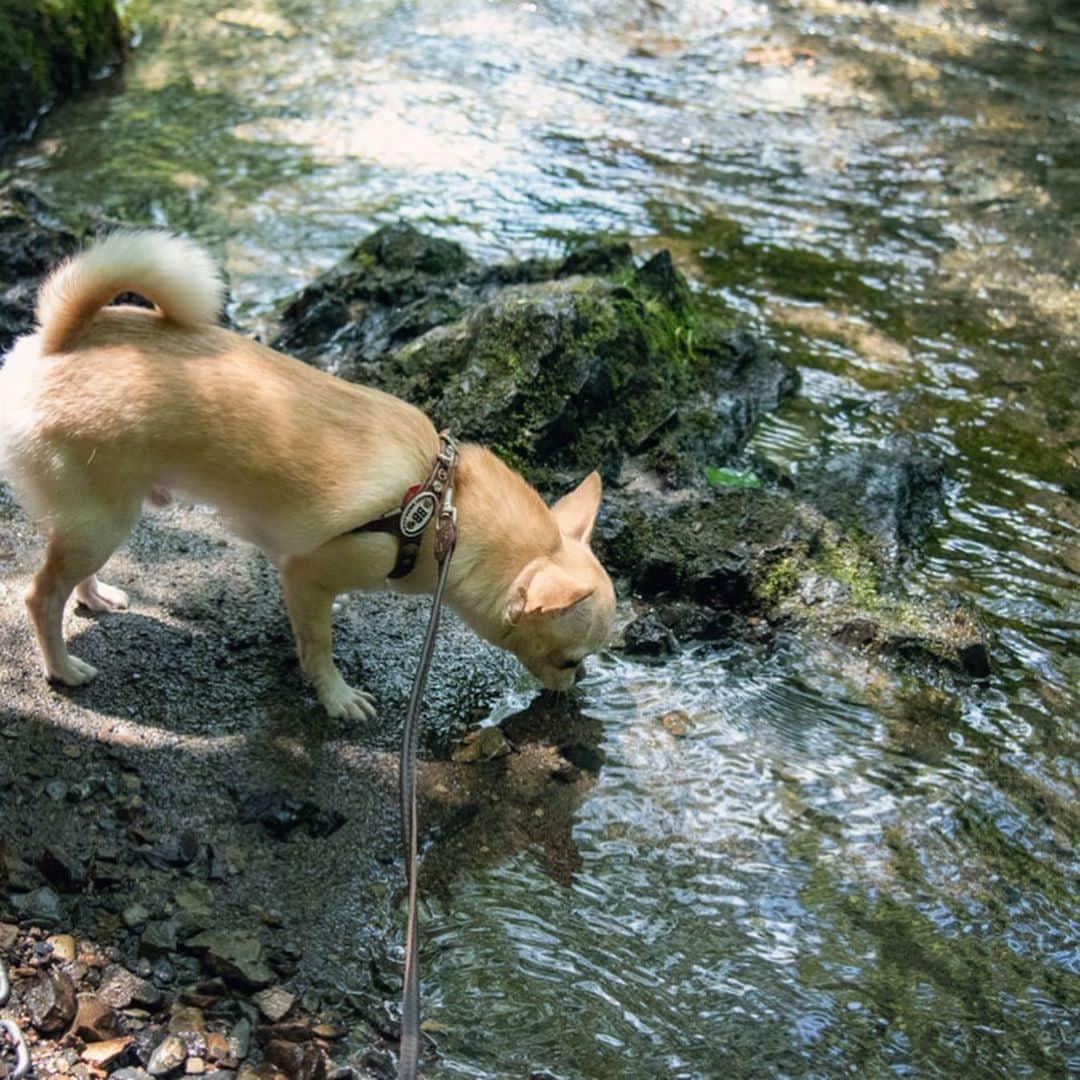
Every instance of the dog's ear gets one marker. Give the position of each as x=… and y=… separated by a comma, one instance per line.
x=545, y=589
x=575, y=513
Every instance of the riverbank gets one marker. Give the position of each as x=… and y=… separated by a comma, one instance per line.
x=594, y=359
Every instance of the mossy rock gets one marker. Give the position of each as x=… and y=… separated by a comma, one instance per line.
x=567, y=373
x=714, y=563
x=395, y=285
x=565, y=376
x=560, y=366
x=891, y=493
x=49, y=49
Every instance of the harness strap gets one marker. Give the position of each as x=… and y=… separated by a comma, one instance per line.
x=420, y=504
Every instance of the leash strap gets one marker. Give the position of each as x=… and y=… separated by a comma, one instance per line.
x=408, y=521
x=445, y=540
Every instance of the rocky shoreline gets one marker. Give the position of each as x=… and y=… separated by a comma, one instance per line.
x=178, y=910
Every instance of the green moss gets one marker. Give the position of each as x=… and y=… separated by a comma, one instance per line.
x=562, y=375
x=847, y=561
x=776, y=580
x=48, y=50
x=362, y=260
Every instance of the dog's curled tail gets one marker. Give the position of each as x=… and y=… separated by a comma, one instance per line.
x=177, y=275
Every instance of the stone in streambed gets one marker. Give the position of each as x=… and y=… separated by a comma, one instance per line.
x=101, y=1054
x=61, y=869
x=95, y=1020
x=676, y=722
x=63, y=947
x=120, y=989
x=648, y=636
x=51, y=1002
x=298, y=1061
x=274, y=1002
x=484, y=744
x=168, y=1057
x=235, y=955
x=158, y=940
x=41, y=906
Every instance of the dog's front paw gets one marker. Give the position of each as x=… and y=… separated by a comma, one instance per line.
x=341, y=700
x=74, y=672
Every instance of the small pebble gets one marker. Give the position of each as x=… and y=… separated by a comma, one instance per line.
x=676, y=722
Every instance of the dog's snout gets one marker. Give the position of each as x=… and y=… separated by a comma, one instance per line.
x=579, y=672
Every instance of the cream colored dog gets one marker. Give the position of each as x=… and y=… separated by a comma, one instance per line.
x=105, y=406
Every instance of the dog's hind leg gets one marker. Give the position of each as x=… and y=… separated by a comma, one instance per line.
x=72, y=559
x=97, y=596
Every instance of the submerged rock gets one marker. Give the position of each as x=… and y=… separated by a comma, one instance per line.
x=484, y=744
x=732, y=559
x=890, y=493
x=677, y=723
x=649, y=635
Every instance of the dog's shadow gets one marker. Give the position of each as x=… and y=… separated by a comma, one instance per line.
x=182, y=678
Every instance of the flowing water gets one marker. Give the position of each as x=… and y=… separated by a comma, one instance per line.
x=837, y=870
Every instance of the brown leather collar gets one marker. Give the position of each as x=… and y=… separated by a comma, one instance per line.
x=418, y=508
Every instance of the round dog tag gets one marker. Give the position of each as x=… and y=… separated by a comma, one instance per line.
x=419, y=511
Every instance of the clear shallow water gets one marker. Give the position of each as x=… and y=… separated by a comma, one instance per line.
x=838, y=871
x=806, y=884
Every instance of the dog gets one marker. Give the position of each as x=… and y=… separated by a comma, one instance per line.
x=105, y=406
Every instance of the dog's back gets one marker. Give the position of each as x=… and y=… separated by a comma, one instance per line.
x=111, y=403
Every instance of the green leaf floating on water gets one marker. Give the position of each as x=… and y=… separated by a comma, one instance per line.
x=731, y=477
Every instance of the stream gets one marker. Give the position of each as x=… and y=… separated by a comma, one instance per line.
x=836, y=869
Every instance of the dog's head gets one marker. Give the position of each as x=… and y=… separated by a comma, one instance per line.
x=560, y=606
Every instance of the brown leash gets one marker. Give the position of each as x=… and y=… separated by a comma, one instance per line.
x=445, y=539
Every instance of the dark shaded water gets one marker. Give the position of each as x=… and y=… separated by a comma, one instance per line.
x=838, y=871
